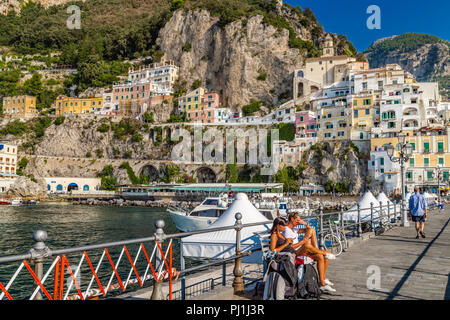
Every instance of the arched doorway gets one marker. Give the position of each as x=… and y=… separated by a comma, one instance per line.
x=206, y=175
x=150, y=172
x=59, y=187
x=300, y=90
x=72, y=186
x=86, y=187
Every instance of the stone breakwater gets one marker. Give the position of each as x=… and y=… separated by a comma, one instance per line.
x=297, y=204
x=136, y=203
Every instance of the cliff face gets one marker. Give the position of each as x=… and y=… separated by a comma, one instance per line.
x=8, y=5
x=77, y=136
x=231, y=58
x=336, y=162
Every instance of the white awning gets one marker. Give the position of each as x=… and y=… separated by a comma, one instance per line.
x=222, y=244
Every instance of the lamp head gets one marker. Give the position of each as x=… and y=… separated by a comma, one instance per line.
x=401, y=138
x=408, y=150
x=390, y=150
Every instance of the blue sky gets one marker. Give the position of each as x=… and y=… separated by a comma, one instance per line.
x=349, y=18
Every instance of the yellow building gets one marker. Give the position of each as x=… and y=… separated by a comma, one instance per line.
x=430, y=149
x=19, y=106
x=333, y=124
x=71, y=105
x=361, y=117
x=192, y=101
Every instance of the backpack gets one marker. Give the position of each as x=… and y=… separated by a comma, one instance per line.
x=308, y=282
x=275, y=287
x=278, y=285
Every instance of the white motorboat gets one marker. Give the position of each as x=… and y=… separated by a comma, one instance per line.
x=213, y=207
x=201, y=217
x=16, y=202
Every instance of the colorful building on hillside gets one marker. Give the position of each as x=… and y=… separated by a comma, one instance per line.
x=332, y=123
x=306, y=124
x=8, y=165
x=361, y=117
x=201, y=106
x=160, y=76
x=20, y=106
x=65, y=105
x=430, y=150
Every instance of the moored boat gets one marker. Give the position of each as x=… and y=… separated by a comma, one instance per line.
x=201, y=217
x=16, y=202
x=213, y=207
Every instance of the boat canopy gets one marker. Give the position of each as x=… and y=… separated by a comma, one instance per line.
x=222, y=244
x=383, y=199
x=364, y=206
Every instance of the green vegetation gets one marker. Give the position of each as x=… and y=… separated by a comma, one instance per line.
x=196, y=84
x=340, y=187
x=88, y=154
x=21, y=165
x=132, y=176
x=170, y=172
x=444, y=84
x=251, y=108
x=175, y=118
x=148, y=117
x=16, y=128
x=286, y=131
x=125, y=128
x=186, y=47
x=137, y=137
x=232, y=173
x=59, y=120
x=128, y=154
x=109, y=182
x=103, y=128
x=289, y=177
x=10, y=86
x=99, y=153
x=262, y=76
x=404, y=43
x=40, y=125
x=356, y=149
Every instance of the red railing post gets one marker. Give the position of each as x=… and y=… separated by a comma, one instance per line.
x=55, y=289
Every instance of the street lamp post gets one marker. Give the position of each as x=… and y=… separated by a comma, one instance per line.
x=404, y=153
x=438, y=176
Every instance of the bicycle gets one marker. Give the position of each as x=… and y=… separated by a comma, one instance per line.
x=335, y=241
x=385, y=224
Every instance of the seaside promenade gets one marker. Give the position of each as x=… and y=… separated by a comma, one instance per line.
x=392, y=266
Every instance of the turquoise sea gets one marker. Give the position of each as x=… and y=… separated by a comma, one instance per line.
x=73, y=225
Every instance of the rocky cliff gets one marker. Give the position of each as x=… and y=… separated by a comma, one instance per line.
x=8, y=5
x=244, y=60
x=338, y=162
x=426, y=57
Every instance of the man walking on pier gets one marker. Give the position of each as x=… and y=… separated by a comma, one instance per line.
x=418, y=211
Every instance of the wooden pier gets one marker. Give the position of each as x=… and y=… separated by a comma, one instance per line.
x=392, y=266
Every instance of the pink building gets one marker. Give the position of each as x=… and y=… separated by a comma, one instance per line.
x=206, y=111
x=306, y=124
x=211, y=100
x=128, y=95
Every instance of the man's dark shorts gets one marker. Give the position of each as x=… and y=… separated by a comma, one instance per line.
x=418, y=218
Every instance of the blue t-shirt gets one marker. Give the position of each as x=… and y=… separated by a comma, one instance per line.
x=417, y=204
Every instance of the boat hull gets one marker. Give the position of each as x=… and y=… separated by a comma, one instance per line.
x=186, y=223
